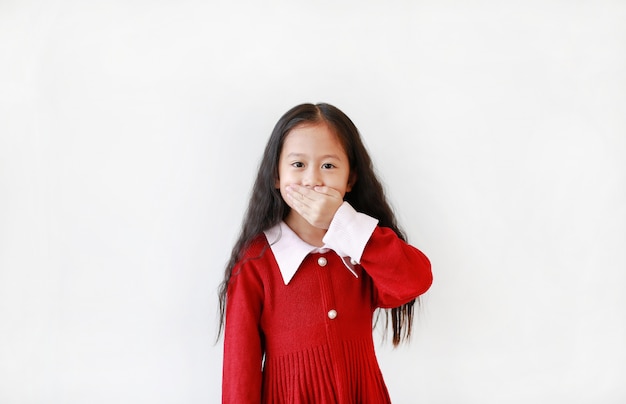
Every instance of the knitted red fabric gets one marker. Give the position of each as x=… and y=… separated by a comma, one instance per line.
x=311, y=341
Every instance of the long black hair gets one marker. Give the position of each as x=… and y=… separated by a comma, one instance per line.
x=267, y=208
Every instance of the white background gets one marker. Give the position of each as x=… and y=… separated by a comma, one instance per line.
x=130, y=133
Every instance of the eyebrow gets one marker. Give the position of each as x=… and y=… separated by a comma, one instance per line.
x=326, y=156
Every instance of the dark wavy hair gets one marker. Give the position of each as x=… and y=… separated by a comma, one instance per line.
x=267, y=208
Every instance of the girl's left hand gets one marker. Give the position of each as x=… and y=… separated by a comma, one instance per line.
x=316, y=205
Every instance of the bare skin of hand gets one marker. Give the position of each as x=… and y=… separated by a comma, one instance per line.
x=316, y=205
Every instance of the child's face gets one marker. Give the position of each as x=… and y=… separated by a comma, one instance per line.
x=312, y=155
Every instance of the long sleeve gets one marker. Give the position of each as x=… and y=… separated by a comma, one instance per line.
x=400, y=272
x=243, y=341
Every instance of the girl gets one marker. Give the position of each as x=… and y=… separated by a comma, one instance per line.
x=319, y=252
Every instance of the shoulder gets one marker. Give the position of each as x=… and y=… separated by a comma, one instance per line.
x=255, y=252
x=255, y=248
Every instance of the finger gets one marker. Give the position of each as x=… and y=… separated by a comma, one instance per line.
x=302, y=209
x=314, y=194
x=300, y=193
x=298, y=201
x=327, y=191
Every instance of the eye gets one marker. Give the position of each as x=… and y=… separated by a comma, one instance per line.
x=297, y=164
x=328, y=166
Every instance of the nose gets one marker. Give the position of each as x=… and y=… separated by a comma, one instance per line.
x=312, y=178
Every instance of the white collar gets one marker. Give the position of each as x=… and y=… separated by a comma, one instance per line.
x=290, y=250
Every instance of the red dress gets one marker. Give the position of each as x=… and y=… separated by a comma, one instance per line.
x=311, y=341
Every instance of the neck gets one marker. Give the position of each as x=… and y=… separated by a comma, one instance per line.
x=308, y=233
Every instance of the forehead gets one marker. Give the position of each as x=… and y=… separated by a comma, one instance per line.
x=313, y=137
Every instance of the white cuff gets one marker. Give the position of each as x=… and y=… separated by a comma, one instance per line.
x=349, y=232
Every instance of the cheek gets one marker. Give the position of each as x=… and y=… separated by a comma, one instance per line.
x=350, y=182
x=284, y=197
